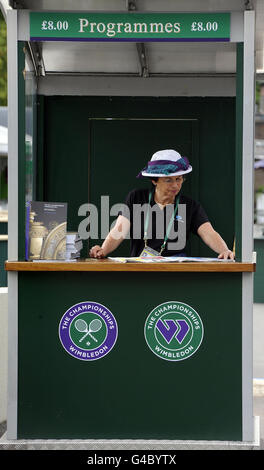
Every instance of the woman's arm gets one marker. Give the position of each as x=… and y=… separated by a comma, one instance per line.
x=113, y=239
x=214, y=241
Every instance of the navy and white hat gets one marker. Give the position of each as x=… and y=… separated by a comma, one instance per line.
x=166, y=163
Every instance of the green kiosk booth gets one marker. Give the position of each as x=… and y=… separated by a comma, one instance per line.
x=104, y=88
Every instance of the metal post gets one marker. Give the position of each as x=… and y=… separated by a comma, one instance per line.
x=247, y=224
x=12, y=220
x=248, y=135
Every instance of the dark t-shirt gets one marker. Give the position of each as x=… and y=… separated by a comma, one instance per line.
x=159, y=220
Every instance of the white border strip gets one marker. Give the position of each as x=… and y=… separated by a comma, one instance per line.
x=12, y=66
x=248, y=136
x=247, y=357
x=247, y=223
x=12, y=220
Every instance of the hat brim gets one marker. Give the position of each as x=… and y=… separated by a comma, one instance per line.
x=177, y=173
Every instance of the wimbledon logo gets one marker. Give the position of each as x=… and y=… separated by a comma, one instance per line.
x=173, y=331
x=88, y=331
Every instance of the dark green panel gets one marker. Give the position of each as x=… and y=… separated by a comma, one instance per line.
x=3, y=228
x=126, y=147
x=239, y=149
x=3, y=258
x=65, y=167
x=217, y=166
x=40, y=149
x=67, y=145
x=130, y=393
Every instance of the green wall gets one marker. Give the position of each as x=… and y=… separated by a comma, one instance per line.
x=69, y=169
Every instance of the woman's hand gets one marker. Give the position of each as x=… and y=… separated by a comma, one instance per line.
x=113, y=239
x=215, y=241
x=227, y=254
x=97, y=252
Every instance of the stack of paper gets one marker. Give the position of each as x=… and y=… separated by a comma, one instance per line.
x=167, y=259
x=74, y=245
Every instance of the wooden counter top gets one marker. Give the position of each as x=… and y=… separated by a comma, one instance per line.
x=109, y=265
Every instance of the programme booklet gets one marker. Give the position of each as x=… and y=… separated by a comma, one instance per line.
x=46, y=228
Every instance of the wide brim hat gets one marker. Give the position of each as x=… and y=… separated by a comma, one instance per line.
x=166, y=163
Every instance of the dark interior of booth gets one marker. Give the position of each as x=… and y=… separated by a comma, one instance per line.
x=90, y=147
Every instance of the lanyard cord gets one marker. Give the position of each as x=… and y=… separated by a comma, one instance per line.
x=169, y=225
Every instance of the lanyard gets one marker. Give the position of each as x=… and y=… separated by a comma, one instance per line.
x=168, y=228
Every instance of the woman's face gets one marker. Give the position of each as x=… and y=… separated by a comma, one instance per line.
x=169, y=185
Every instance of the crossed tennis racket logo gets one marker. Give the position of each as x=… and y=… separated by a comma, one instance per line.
x=94, y=326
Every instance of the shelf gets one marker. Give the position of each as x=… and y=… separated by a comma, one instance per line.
x=108, y=265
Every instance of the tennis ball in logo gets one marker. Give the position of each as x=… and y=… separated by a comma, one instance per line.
x=174, y=331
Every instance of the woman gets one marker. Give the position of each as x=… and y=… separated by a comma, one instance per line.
x=166, y=171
